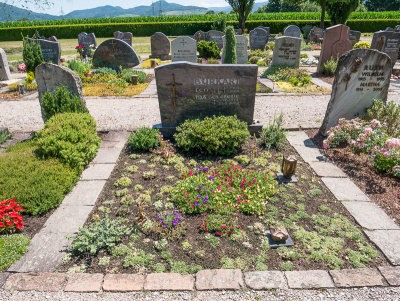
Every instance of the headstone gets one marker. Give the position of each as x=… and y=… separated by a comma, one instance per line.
x=87, y=41
x=160, y=46
x=238, y=31
x=241, y=49
x=267, y=29
x=316, y=35
x=387, y=42
x=199, y=36
x=114, y=53
x=292, y=31
x=354, y=36
x=258, y=38
x=50, y=76
x=215, y=36
x=4, y=69
x=124, y=36
x=287, y=52
x=397, y=28
x=188, y=90
x=53, y=39
x=362, y=75
x=336, y=42
x=51, y=50
x=184, y=49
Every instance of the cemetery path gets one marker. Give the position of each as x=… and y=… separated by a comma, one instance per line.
x=113, y=113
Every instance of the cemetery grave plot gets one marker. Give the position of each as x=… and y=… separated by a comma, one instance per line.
x=145, y=186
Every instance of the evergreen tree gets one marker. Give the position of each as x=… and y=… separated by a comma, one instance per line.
x=230, y=46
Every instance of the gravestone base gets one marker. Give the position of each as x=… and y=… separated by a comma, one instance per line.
x=284, y=180
x=161, y=57
x=169, y=131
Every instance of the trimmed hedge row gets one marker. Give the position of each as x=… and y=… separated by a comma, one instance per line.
x=176, y=28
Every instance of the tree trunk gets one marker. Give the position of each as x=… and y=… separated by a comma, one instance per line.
x=323, y=8
x=242, y=22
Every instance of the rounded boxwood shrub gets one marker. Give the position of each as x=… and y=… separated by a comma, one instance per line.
x=144, y=139
x=221, y=135
x=208, y=49
x=71, y=138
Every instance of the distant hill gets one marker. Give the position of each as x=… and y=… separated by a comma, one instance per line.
x=228, y=9
x=13, y=13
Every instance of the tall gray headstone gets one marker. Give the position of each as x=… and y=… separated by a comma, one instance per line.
x=362, y=75
x=4, y=68
x=387, y=42
x=124, y=36
x=50, y=76
x=258, y=38
x=184, y=49
x=354, y=36
x=188, y=90
x=87, y=41
x=292, y=31
x=160, y=46
x=51, y=50
x=114, y=53
x=241, y=49
x=287, y=52
x=215, y=36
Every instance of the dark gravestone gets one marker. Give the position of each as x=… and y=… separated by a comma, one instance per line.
x=316, y=35
x=258, y=38
x=51, y=50
x=87, y=41
x=238, y=31
x=4, y=68
x=124, y=36
x=267, y=29
x=397, y=28
x=354, y=36
x=292, y=31
x=199, y=36
x=387, y=42
x=160, y=46
x=215, y=36
x=362, y=75
x=188, y=90
x=50, y=76
x=114, y=53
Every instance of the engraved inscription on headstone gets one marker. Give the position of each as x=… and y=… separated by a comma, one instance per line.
x=292, y=31
x=258, y=38
x=51, y=50
x=191, y=90
x=184, y=49
x=362, y=75
x=114, y=53
x=241, y=49
x=4, y=68
x=287, y=51
x=160, y=46
x=354, y=36
x=87, y=41
x=387, y=42
x=124, y=36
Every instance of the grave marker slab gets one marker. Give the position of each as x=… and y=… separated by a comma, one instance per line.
x=387, y=42
x=124, y=36
x=199, y=36
x=209, y=90
x=241, y=49
x=5, y=73
x=87, y=41
x=354, y=36
x=215, y=36
x=160, y=46
x=258, y=38
x=50, y=76
x=316, y=35
x=238, y=31
x=114, y=53
x=287, y=51
x=184, y=49
x=336, y=42
x=292, y=31
x=362, y=75
x=267, y=29
x=51, y=50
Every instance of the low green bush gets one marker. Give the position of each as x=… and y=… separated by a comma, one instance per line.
x=222, y=135
x=329, y=67
x=12, y=247
x=208, y=49
x=80, y=67
x=273, y=136
x=254, y=59
x=105, y=70
x=37, y=185
x=61, y=101
x=143, y=139
x=282, y=73
x=71, y=138
x=126, y=74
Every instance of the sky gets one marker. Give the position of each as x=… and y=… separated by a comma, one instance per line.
x=70, y=5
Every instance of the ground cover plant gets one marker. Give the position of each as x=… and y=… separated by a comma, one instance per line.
x=171, y=211
x=4, y=136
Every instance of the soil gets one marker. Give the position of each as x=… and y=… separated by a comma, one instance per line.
x=327, y=79
x=383, y=189
x=227, y=247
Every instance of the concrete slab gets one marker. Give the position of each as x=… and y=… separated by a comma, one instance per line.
x=370, y=216
x=98, y=172
x=3, y=278
x=42, y=282
x=357, y=278
x=391, y=274
x=106, y=156
x=300, y=138
x=388, y=241
x=84, y=283
x=309, y=279
x=169, y=282
x=85, y=193
x=116, y=136
x=219, y=280
x=325, y=169
x=345, y=190
x=265, y=280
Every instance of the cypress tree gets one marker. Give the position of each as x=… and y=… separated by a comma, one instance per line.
x=230, y=46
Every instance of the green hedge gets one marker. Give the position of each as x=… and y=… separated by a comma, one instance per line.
x=144, y=29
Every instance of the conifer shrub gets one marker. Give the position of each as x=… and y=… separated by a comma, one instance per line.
x=230, y=46
x=32, y=55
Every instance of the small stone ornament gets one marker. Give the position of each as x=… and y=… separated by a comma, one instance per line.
x=279, y=233
x=289, y=165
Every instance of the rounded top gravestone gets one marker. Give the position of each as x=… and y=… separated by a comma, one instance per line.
x=387, y=42
x=199, y=36
x=292, y=31
x=215, y=36
x=258, y=38
x=184, y=49
x=114, y=53
x=287, y=51
x=4, y=69
x=160, y=46
x=124, y=36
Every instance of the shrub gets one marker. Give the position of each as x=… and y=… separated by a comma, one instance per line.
x=254, y=59
x=80, y=67
x=10, y=218
x=262, y=63
x=212, y=61
x=329, y=67
x=258, y=52
x=208, y=49
x=386, y=113
x=144, y=139
x=38, y=185
x=32, y=55
x=61, y=101
x=273, y=135
x=222, y=135
x=105, y=70
x=71, y=138
x=12, y=247
x=220, y=225
x=283, y=73
x=126, y=74
x=219, y=24
x=362, y=44
x=230, y=46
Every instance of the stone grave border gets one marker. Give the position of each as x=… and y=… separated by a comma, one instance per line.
x=335, y=180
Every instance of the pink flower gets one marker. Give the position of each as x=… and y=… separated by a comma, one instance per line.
x=22, y=67
x=375, y=123
x=386, y=154
x=368, y=131
x=325, y=144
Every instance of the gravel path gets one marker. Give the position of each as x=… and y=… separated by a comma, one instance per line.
x=294, y=295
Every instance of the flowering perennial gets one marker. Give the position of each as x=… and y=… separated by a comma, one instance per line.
x=10, y=218
x=170, y=219
x=220, y=225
